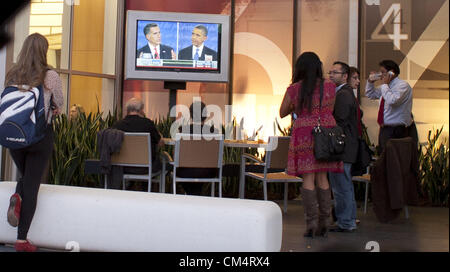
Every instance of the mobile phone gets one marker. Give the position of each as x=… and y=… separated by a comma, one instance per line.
x=390, y=73
x=375, y=76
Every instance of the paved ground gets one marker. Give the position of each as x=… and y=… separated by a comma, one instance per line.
x=427, y=230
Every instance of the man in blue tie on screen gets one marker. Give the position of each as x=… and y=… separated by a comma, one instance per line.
x=154, y=49
x=198, y=50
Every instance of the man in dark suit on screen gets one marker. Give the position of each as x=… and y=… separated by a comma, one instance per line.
x=154, y=49
x=198, y=50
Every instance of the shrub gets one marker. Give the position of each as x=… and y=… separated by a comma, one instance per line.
x=434, y=170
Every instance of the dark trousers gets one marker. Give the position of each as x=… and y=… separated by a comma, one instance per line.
x=390, y=132
x=395, y=132
x=32, y=163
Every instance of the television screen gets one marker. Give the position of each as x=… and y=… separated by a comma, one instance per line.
x=177, y=46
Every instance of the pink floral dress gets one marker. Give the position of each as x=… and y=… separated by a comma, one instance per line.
x=300, y=157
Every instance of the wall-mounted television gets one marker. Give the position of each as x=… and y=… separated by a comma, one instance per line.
x=175, y=46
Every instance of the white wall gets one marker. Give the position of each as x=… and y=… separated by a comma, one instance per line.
x=21, y=30
x=109, y=51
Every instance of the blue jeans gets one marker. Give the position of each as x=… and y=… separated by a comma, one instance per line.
x=344, y=197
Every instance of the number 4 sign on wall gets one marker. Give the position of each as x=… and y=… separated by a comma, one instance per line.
x=395, y=12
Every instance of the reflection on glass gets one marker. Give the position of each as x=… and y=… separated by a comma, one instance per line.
x=94, y=36
x=92, y=93
x=52, y=19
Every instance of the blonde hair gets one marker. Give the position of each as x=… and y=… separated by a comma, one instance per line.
x=77, y=107
x=31, y=65
x=75, y=110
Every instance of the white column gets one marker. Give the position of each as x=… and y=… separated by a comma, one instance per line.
x=353, y=33
x=21, y=30
x=109, y=55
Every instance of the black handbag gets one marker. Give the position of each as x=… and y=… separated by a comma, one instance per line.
x=329, y=143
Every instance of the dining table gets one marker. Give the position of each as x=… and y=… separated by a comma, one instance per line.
x=231, y=143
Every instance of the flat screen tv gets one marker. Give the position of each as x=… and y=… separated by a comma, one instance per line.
x=176, y=46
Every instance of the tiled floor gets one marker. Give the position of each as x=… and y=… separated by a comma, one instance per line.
x=426, y=230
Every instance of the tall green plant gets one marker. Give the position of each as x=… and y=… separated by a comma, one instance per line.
x=434, y=170
x=163, y=125
x=76, y=141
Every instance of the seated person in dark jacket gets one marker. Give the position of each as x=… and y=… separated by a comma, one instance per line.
x=197, y=126
x=135, y=121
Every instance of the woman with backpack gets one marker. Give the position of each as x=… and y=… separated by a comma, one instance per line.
x=31, y=70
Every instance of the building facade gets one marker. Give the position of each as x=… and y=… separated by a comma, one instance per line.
x=87, y=49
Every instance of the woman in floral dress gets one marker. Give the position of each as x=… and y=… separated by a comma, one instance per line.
x=302, y=97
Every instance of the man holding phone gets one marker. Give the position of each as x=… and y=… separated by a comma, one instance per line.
x=394, y=115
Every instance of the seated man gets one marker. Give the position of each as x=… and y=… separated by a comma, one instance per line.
x=135, y=121
x=197, y=125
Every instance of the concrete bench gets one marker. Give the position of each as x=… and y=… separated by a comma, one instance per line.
x=114, y=220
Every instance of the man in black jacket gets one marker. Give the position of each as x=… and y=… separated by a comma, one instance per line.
x=135, y=121
x=346, y=115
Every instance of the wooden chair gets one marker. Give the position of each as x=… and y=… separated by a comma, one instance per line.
x=365, y=178
x=136, y=151
x=198, y=151
x=276, y=157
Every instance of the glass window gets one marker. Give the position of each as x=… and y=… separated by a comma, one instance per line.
x=94, y=36
x=92, y=93
x=52, y=19
x=262, y=67
x=94, y=54
x=82, y=47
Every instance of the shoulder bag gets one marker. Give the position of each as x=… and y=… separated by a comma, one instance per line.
x=329, y=143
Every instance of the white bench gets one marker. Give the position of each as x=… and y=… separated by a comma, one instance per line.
x=114, y=220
